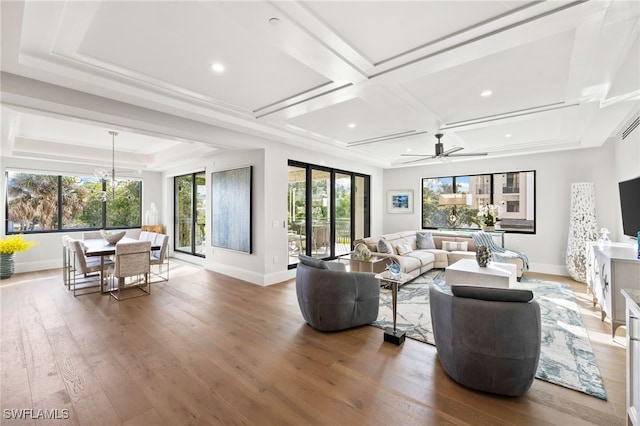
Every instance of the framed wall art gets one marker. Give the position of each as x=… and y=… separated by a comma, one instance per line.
x=231, y=209
x=400, y=201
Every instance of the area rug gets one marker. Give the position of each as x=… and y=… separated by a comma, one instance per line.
x=566, y=357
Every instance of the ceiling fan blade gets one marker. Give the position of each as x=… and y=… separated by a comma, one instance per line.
x=417, y=155
x=452, y=150
x=425, y=158
x=469, y=154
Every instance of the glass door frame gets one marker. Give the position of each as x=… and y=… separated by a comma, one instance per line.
x=194, y=214
x=309, y=168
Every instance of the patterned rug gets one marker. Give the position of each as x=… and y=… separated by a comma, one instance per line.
x=566, y=357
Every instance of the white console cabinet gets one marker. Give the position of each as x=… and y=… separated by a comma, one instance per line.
x=633, y=355
x=609, y=269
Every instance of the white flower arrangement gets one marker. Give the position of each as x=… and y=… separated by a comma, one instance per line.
x=489, y=214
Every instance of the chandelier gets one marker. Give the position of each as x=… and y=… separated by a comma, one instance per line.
x=104, y=175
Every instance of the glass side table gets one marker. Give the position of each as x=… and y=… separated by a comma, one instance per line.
x=368, y=265
x=393, y=335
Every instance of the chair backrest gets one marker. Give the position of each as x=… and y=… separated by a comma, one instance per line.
x=332, y=299
x=78, y=249
x=132, y=258
x=483, y=335
x=162, y=240
x=143, y=235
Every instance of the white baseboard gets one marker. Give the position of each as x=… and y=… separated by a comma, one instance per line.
x=252, y=277
x=544, y=268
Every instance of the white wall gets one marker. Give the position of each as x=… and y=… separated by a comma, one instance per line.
x=554, y=174
x=626, y=166
x=267, y=264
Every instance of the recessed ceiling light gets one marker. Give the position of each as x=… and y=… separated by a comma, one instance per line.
x=408, y=150
x=352, y=125
x=486, y=93
x=217, y=67
x=508, y=135
x=274, y=21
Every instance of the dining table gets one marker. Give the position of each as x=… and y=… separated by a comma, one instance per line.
x=100, y=247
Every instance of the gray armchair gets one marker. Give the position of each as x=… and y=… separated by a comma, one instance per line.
x=332, y=299
x=487, y=338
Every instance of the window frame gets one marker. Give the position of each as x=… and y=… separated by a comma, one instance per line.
x=491, y=198
x=60, y=223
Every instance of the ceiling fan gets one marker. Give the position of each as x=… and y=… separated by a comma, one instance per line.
x=441, y=153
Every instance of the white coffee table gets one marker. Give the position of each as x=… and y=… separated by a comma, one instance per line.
x=467, y=271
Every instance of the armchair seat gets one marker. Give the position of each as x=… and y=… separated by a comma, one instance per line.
x=487, y=339
x=332, y=299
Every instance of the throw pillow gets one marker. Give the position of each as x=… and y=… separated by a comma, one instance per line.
x=384, y=246
x=403, y=248
x=425, y=240
x=112, y=237
x=454, y=246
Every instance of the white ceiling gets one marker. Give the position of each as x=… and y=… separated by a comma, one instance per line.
x=564, y=75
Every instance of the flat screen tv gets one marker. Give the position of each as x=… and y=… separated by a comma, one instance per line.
x=630, y=206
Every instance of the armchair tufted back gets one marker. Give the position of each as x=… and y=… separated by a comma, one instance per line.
x=332, y=299
x=487, y=338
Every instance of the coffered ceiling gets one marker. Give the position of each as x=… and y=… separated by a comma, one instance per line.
x=372, y=80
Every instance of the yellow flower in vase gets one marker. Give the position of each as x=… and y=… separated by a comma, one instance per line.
x=8, y=248
x=15, y=244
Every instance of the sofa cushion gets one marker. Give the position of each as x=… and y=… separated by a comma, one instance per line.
x=425, y=257
x=441, y=256
x=384, y=246
x=425, y=240
x=410, y=263
x=454, y=256
x=454, y=245
x=403, y=248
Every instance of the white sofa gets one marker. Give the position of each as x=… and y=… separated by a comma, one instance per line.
x=417, y=261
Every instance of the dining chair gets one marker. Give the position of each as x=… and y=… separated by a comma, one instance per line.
x=131, y=270
x=66, y=261
x=160, y=257
x=86, y=272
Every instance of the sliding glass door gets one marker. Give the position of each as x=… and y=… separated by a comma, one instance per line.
x=190, y=203
x=327, y=210
x=342, y=198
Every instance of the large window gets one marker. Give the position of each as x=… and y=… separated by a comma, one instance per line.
x=327, y=210
x=48, y=203
x=514, y=192
x=190, y=204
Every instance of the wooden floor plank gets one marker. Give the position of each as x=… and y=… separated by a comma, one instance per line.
x=205, y=348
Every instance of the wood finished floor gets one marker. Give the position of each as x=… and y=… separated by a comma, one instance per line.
x=204, y=348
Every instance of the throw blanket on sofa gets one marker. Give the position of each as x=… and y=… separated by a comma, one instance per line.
x=500, y=254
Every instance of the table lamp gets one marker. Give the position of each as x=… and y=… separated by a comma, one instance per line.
x=454, y=200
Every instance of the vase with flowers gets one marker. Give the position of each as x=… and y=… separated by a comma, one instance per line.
x=8, y=248
x=489, y=216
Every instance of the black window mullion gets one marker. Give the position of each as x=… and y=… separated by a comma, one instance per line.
x=104, y=206
x=194, y=210
x=60, y=201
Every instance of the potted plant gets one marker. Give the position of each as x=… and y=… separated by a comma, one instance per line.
x=489, y=215
x=8, y=248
